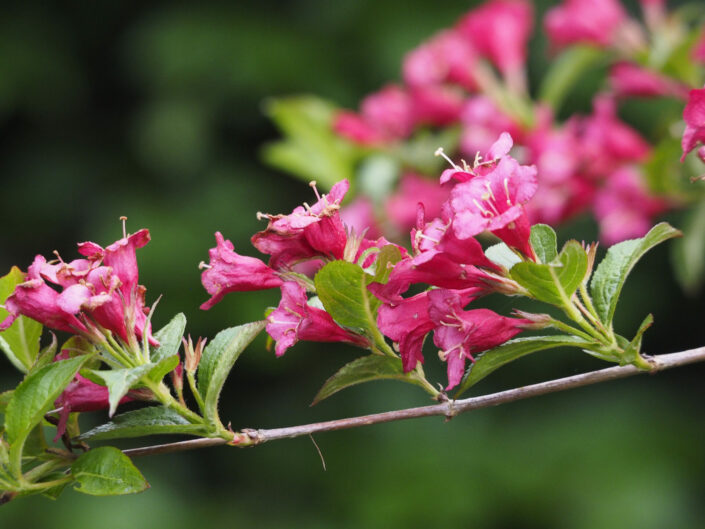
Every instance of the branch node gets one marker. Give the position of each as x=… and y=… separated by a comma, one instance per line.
x=450, y=410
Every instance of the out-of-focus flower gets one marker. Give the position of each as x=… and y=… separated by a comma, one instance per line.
x=482, y=123
x=229, y=271
x=587, y=21
x=401, y=207
x=624, y=208
x=631, y=80
x=694, y=116
x=359, y=217
x=295, y=320
x=500, y=30
x=436, y=105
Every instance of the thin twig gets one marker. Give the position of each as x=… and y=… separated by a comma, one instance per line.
x=449, y=409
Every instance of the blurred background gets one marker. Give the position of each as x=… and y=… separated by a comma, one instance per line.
x=154, y=111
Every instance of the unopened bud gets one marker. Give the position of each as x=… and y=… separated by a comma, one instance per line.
x=536, y=321
x=192, y=354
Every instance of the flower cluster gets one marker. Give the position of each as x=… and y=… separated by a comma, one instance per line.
x=487, y=197
x=472, y=77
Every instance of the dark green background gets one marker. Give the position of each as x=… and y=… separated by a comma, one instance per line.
x=154, y=112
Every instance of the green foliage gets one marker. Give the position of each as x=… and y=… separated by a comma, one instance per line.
x=491, y=360
x=566, y=71
x=311, y=150
x=554, y=282
x=502, y=255
x=169, y=338
x=612, y=272
x=688, y=252
x=118, y=381
x=154, y=420
x=544, y=242
x=364, y=369
x=106, y=471
x=218, y=359
x=20, y=342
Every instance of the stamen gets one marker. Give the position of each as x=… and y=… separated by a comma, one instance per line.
x=482, y=210
x=262, y=216
x=489, y=190
x=124, y=227
x=202, y=265
x=506, y=190
x=423, y=236
x=440, y=152
x=312, y=183
x=308, y=208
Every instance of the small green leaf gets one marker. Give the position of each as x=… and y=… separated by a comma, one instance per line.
x=502, y=255
x=493, y=359
x=218, y=359
x=20, y=342
x=118, y=381
x=106, y=471
x=47, y=354
x=342, y=288
x=633, y=350
x=36, y=395
x=169, y=338
x=544, y=242
x=612, y=272
x=554, y=282
x=163, y=368
x=365, y=369
x=154, y=420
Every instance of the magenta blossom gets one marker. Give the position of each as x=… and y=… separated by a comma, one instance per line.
x=307, y=232
x=101, y=289
x=436, y=105
x=413, y=190
x=482, y=123
x=294, y=320
x=631, y=80
x=459, y=334
x=229, y=271
x=495, y=202
x=359, y=217
x=447, y=58
x=354, y=127
x=587, y=21
x=694, y=116
x=390, y=111
x=624, y=207
x=500, y=30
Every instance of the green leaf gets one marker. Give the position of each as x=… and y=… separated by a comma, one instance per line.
x=36, y=395
x=566, y=71
x=633, y=350
x=163, y=368
x=5, y=397
x=154, y=420
x=118, y=381
x=169, y=338
x=365, y=369
x=612, y=272
x=106, y=471
x=554, y=282
x=544, y=242
x=310, y=150
x=688, y=253
x=342, y=288
x=502, y=255
x=218, y=359
x=491, y=360
x=47, y=353
x=20, y=342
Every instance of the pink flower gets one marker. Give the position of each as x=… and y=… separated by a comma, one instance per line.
x=354, y=127
x=588, y=21
x=481, y=165
x=500, y=30
x=446, y=58
x=307, y=232
x=102, y=289
x=294, y=320
x=624, y=208
x=482, y=123
x=459, y=334
x=495, y=202
x=390, y=111
x=436, y=105
x=401, y=207
x=694, y=116
x=359, y=217
x=229, y=271
x=607, y=142
x=630, y=80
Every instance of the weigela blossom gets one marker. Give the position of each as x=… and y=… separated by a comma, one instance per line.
x=500, y=30
x=459, y=333
x=413, y=189
x=305, y=233
x=100, y=291
x=295, y=319
x=482, y=123
x=694, y=116
x=229, y=271
x=631, y=80
x=624, y=208
x=587, y=21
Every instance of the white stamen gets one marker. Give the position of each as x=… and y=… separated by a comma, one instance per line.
x=124, y=228
x=312, y=183
x=440, y=152
x=506, y=190
x=202, y=265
